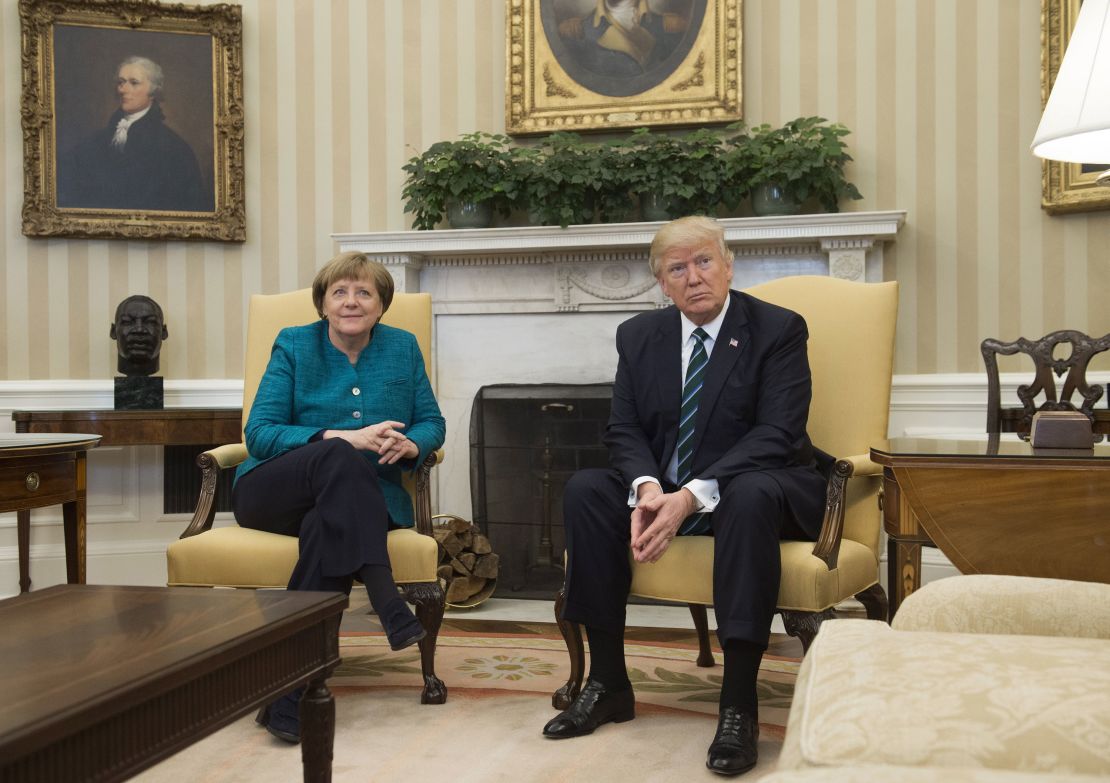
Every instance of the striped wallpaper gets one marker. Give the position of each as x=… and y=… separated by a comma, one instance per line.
x=943, y=97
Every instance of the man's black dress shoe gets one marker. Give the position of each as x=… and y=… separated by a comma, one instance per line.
x=594, y=706
x=735, y=747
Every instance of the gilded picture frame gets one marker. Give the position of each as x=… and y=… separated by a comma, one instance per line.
x=570, y=67
x=132, y=120
x=1065, y=187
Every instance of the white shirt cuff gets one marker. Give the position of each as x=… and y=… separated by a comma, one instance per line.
x=706, y=492
x=636, y=485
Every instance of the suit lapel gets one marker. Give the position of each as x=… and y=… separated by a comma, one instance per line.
x=668, y=376
x=731, y=343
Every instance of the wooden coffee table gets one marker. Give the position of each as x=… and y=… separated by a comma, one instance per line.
x=101, y=682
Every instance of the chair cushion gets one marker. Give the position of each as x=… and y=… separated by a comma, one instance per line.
x=867, y=694
x=240, y=557
x=806, y=585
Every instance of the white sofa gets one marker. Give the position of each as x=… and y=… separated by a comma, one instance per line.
x=980, y=679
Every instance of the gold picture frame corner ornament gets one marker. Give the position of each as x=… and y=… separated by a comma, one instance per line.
x=570, y=66
x=1065, y=187
x=174, y=169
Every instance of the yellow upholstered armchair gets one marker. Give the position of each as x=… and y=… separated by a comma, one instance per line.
x=239, y=557
x=851, y=355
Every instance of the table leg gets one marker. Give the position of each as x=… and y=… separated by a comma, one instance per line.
x=75, y=528
x=73, y=520
x=317, y=731
x=903, y=570
x=23, y=535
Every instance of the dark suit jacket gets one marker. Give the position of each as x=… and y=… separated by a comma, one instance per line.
x=156, y=170
x=751, y=413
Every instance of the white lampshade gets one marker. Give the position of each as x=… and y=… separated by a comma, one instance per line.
x=1075, y=126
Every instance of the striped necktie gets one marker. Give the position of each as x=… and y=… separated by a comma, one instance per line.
x=697, y=523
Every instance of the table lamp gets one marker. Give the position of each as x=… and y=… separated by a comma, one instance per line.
x=1075, y=126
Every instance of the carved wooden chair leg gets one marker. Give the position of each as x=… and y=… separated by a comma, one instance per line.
x=572, y=635
x=429, y=600
x=701, y=625
x=874, y=601
x=804, y=625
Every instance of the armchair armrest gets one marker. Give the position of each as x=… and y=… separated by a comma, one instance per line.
x=422, y=494
x=827, y=547
x=211, y=462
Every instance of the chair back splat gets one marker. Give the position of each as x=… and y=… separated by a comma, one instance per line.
x=1046, y=369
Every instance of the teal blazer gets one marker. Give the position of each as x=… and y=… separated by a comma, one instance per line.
x=310, y=385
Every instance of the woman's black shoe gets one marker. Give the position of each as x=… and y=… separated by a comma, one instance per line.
x=594, y=706
x=282, y=717
x=406, y=637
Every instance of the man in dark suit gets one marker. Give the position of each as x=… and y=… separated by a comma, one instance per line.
x=707, y=436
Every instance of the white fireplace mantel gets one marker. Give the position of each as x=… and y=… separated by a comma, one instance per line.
x=603, y=266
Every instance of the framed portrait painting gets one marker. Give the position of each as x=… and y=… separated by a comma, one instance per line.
x=607, y=64
x=132, y=120
x=1065, y=187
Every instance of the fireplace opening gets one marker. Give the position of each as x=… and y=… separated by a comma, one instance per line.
x=526, y=441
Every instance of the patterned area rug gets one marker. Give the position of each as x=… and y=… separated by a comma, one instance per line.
x=499, y=697
x=663, y=675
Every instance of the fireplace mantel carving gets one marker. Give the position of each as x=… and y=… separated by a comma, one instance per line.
x=536, y=269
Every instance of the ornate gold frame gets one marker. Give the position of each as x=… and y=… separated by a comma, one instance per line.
x=41, y=215
x=1065, y=187
x=540, y=97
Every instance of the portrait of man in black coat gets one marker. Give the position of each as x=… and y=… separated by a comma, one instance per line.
x=135, y=161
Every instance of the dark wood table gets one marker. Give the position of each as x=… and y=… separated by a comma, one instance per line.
x=166, y=427
x=994, y=505
x=184, y=432
x=46, y=470
x=101, y=682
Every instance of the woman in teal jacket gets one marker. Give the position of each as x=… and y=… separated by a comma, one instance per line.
x=343, y=408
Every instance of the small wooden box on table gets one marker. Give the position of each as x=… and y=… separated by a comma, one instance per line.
x=101, y=682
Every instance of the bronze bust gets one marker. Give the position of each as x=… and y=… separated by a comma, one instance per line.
x=139, y=329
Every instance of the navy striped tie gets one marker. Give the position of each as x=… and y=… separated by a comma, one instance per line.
x=698, y=523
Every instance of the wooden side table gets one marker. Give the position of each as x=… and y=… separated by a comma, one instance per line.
x=45, y=470
x=184, y=432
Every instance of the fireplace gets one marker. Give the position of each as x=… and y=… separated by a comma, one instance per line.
x=526, y=440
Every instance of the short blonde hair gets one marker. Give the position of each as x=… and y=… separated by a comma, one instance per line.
x=352, y=265
x=685, y=232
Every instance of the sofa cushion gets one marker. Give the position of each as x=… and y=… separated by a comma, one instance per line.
x=867, y=694
x=989, y=603
x=882, y=772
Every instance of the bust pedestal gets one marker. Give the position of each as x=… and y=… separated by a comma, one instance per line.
x=139, y=393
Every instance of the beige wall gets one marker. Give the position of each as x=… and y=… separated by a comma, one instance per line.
x=943, y=97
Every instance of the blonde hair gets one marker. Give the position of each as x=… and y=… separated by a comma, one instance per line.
x=352, y=265
x=685, y=232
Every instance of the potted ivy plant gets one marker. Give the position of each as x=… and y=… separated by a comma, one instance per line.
x=676, y=174
x=467, y=179
x=554, y=182
x=788, y=166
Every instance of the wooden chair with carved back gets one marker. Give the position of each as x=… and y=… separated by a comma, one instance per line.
x=1047, y=368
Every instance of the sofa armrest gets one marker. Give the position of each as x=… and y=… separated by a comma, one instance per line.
x=993, y=604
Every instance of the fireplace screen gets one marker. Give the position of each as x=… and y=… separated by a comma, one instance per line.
x=525, y=442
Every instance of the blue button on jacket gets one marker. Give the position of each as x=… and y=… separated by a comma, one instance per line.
x=310, y=385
